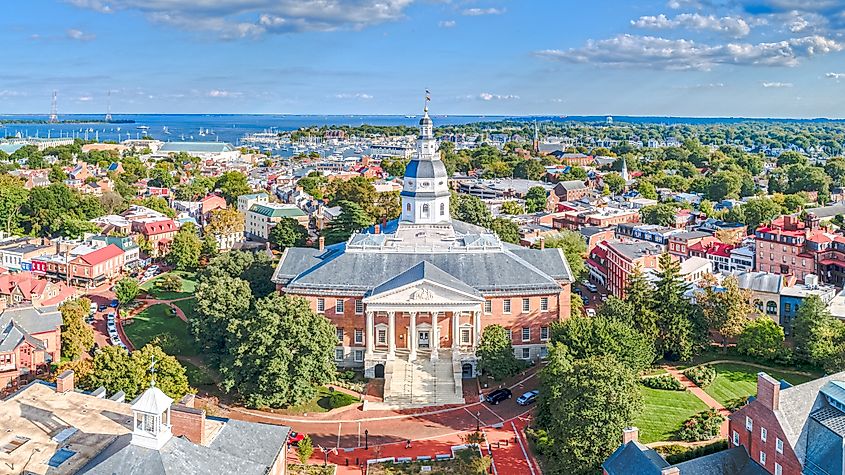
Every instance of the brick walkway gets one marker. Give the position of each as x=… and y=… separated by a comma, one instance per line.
x=703, y=396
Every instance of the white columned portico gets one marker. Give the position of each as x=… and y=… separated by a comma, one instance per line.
x=435, y=335
x=456, y=340
x=370, y=329
x=391, y=334
x=413, y=339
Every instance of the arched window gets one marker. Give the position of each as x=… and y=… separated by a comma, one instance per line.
x=771, y=307
x=759, y=305
x=442, y=209
x=408, y=207
x=425, y=210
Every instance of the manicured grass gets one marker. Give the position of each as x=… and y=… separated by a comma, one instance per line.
x=737, y=381
x=158, y=321
x=187, y=306
x=188, y=286
x=664, y=412
x=319, y=403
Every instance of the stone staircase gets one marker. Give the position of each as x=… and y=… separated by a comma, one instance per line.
x=420, y=383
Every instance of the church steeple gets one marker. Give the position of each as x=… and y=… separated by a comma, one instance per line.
x=425, y=193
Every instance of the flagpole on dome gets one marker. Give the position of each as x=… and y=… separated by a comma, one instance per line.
x=427, y=100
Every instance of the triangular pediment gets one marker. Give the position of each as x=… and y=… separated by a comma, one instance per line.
x=423, y=292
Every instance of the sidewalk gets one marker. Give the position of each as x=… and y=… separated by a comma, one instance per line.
x=703, y=396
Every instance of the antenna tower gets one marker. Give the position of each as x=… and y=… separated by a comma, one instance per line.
x=54, y=110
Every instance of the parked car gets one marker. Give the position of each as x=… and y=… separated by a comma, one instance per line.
x=591, y=312
x=585, y=299
x=528, y=398
x=93, y=308
x=499, y=395
x=294, y=438
x=591, y=286
x=114, y=303
x=102, y=307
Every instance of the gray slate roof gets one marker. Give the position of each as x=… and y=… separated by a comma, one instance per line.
x=31, y=319
x=760, y=281
x=241, y=448
x=734, y=461
x=634, y=458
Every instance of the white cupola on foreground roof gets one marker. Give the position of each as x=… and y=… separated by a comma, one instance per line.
x=151, y=417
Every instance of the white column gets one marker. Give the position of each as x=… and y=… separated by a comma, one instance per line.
x=391, y=334
x=476, y=320
x=369, y=330
x=456, y=320
x=413, y=338
x=435, y=335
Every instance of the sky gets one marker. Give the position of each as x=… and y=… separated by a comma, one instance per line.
x=700, y=58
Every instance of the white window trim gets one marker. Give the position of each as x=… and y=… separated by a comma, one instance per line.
x=778, y=445
x=762, y=458
x=358, y=356
x=488, y=306
x=544, y=304
x=506, y=306
x=339, y=306
x=339, y=333
x=356, y=333
x=340, y=352
x=380, y=327
x=321, y=305
x=778, y=469
x=763, y=434
x=359, y=306
x=526, y=305
x=544, y=338
x=749, y=423
x=735, y=438
x=465, y=329
x=522, y=333
x=523, y=351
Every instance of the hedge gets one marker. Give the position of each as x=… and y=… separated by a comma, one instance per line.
x=703, y=426
x=702, y=375
x=664, y=381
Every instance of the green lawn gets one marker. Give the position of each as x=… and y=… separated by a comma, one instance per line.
x=664, y=412
x=187, y=306
x=188, y=285
x=157, y=321
x=735, y=381
x=319, y=403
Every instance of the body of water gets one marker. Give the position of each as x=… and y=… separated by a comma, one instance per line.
x=231, y=127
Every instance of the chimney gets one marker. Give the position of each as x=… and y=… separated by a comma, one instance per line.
x=630, y=434
x=768, y=391
x=64, y=382
x=377, y=229
x=188, y=422
x=542, y=243
x=321, y=243
x=670, y=471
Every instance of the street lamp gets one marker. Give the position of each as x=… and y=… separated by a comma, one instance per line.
x=366, y=439
x=478, y=421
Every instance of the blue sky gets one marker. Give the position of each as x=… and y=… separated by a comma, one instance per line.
x=760, y=58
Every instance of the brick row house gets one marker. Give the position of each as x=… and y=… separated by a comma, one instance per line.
x=421, y=290
x=793, y=247
x=794, y=430
x=30, y=339
x=87, y=270
x=158, y=233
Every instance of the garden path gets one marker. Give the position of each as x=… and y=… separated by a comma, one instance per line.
x=705, y=398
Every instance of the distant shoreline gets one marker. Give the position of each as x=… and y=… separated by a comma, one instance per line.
x=72, y=121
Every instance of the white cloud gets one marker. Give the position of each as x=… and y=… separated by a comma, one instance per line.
x=777, y=85
x=732, y=26
x=223, y=93
x=710, y=85
x=85, y=98
x=10, y=93
x=79, y=35
x=682, y=54
x=446, y=24
x=486, y=96
x=836, y=76
x=246, y=18
x=483, y=11
x=355, y=95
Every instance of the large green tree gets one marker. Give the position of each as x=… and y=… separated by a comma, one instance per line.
x=288, y=233
x=471, y=209
x=536, y=199
x=586, y=337
x=116, y=370
x=77, y=336
x=662, y=214
x=280, y=352
x=233, y=184
x=184, y=253
x=761, y=338
x=495, y=353
x=726, y=307
x=574, y=249
x=352, y=219
x=819, y=336
x=13, y=195
x=588, y=405
x=126, y=290
x=679, y=331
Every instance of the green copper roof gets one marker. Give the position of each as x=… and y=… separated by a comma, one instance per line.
x=276, y=211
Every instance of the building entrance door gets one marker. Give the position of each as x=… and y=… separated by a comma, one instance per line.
x=423, y=340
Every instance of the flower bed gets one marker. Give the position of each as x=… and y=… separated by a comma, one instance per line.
x=702, y=426
x=664, y=381
x=702, y=375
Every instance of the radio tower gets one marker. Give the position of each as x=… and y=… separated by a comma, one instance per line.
x=54, y=110
x=108, y=108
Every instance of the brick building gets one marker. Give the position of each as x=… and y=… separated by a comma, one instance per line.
x=30, y=339
x=800, y=248
x=794, y=430
x=567, y=191
x=58, y=429
x=159, y=233
x=86, y=270
x=622, y=257
x=423, y=288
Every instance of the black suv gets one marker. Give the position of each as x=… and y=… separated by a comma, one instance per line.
x=498, y=396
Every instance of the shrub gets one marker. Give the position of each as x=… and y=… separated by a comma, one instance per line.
x=305, y=449
x=702, y=426
x=678, y=453
x=702, y=375
x=664, y=381
x=340, y=399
